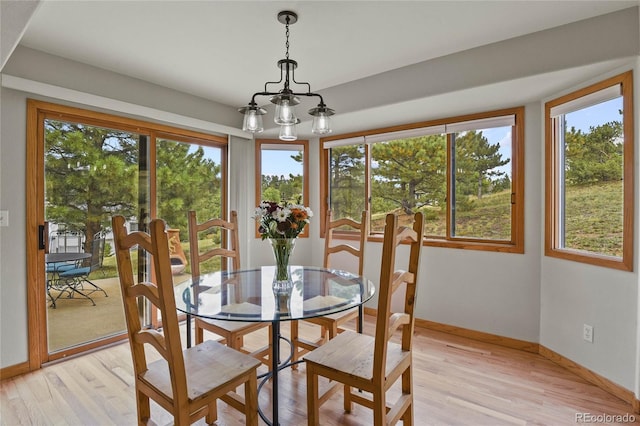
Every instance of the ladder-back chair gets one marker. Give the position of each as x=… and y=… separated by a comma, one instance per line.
x=232, y=332
x=330, y=324
x=373, y=364
x=186, y=383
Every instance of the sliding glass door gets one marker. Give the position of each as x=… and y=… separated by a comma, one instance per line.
x=189, y=176
x=89, y=167
x=91, y=173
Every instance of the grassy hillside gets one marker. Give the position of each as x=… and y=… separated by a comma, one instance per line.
x=593, y=218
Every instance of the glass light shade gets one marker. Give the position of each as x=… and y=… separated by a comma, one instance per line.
x=285, y=113
x=321, y=124
x=288, y=132
x=252, y=122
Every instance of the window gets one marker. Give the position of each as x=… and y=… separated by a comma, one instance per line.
x=464, y=173
x=589, y=174
x=282, y=171
x=190, y=175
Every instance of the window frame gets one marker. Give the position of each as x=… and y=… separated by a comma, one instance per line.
x=514, y=245
x=553, y=185
x=305, y=174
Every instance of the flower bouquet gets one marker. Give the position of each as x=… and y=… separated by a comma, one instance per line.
x=281, y=220
x=281, y=224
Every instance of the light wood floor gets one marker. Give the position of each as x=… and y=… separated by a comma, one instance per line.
x=456, y=382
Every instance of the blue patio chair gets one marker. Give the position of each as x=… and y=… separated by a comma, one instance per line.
x=74, y=280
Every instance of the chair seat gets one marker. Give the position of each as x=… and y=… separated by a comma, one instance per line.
x=208, y=366
x=75, y=272
x=351, y=354
x=59, y=266
x=242, y=308
x=232, y=326
x=322, y=302
x=339, y=317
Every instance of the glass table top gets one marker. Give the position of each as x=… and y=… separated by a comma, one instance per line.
x=247, y=295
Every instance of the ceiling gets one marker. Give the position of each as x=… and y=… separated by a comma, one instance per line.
x=226, y=50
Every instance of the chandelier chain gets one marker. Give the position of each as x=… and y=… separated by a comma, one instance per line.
x=287, y=37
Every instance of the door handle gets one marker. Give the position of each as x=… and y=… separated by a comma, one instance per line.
x=43, y=237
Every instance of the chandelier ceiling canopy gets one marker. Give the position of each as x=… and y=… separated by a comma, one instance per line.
x=286, y=98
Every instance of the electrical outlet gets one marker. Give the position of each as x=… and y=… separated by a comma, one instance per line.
x=587, y=333
x=4, y=217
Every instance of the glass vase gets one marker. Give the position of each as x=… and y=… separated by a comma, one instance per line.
x=282, y=249
x=283, y=300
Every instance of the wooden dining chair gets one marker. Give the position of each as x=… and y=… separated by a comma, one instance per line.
x=330, y=324
x=186, y=383
x=372, y=364
x=232, y=332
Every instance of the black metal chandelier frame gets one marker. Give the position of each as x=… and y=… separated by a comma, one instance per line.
x=286, y=96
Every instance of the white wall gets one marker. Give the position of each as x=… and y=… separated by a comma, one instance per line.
x=13, y=288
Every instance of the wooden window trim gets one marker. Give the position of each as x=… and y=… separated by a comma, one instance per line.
x=515, y=245
x=305, y=177
x=552, y=183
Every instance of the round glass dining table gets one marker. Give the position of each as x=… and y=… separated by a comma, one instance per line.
x=247, y=295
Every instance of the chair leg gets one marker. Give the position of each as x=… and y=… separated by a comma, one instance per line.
x=323, y=334
x=379, y=408
x=95, y=287
x=294, y=342
x=251, y=399
x=199, y=335
x=407, y=418
x=181, y=417
x=53, y=301
x=313, y=403
x=212, y=412
x=144, y=408
x=347, y=402
x=407, y=389
x=333, y=331
x=72, y=287
x=235, y=341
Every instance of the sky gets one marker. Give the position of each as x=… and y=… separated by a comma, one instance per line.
x=280, y=163
x=595, y=115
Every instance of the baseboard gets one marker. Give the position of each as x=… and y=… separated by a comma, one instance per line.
x=479, y=335
x=580, y=371
x=592, y=377
x=471, y=334
x=14, y=370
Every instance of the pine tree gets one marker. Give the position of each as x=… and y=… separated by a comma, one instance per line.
x=409, y=173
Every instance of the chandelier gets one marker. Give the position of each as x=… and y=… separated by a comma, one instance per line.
x=286, y=99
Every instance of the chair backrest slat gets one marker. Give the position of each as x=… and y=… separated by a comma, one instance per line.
x=228, y=235
x=331, y=249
